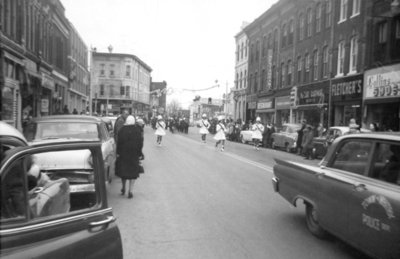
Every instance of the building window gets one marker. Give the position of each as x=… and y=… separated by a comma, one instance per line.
x=299, y=68
x=251, y=53
x=128, y=71
x=356, y=7
x=273, y=79
x=325, y=62
x=122, y=91
x=245, y=79
x=275, y=46
x=289, y=72
x=309, y=23
x=284, y=35
x=256, y=82
x=240, y=80
x=111, y=94
x=245, y=49
x=315, y=65
x=301, y=27
x=343, y=10
x=341, y=54
x=283, y=75
x=237, y=52
x=112, y=73
x=318, y=18
x=102, y=70
x=307, y=67
x=291, y=32
x=263, y=80
x=101, y=90
x=398, y=28
x=264, y=46
x=382, y=33
x=353, y=54
x=328, y=14
x=237, y=81
x=257, y=51
x=241, y=51
x=127, y=90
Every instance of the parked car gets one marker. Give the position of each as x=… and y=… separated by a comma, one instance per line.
x=246, y=136
x=58, y=210
x=286, y=138
x=354, y=194
x=322, y=143
x=78, y=127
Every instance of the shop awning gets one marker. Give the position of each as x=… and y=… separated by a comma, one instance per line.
x=265, y=110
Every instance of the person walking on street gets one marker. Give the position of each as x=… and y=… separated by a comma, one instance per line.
x=204, y=126
x=300, y=134
x=256, y=135
x=119, y=123
x=308, y=142
x=129, y=152
x=160, y=129
x=220, y=134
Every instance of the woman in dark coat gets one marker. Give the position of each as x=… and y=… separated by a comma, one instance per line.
x=129, y=151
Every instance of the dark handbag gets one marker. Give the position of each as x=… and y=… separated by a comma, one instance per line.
x=141, y=168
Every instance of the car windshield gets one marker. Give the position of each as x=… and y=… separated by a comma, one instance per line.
x=57, y=130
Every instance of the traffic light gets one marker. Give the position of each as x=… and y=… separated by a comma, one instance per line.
x=209, y=100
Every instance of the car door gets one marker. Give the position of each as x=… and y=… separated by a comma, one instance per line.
x=108, y=149
x=337, y=182
x=374, y=215
x=55, y=212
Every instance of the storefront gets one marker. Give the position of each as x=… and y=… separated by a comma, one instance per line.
x=312, y=103
x=346, y=100
x=265, y=110
x=251, y=107
x=282, y=107
x=59, y=95
x=47, y=94
x=381, y=97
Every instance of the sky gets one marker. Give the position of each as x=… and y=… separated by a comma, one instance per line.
x=190, y=44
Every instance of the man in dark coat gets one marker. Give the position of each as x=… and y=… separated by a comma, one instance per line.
x=129, y=152
x=300, y=133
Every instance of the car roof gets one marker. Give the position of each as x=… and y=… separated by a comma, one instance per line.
x=389, y=136
x=81, y=118
x=8, y=130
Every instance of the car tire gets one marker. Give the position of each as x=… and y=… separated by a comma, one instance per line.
x=312, y=222
x=288, y=148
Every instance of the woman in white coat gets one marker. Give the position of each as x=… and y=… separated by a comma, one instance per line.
x=204, y=126
x=160, y=129
x=256, y=135
x=220, y=134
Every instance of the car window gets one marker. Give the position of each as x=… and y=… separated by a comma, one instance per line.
x=352, y=156
x=54, y=130
x=49, y=184
x=386, y=166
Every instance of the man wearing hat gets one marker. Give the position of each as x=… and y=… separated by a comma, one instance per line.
x=204, y=126
x=308, y=141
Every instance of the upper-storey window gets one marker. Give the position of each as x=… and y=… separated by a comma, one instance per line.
x=309, y=23
x=112, y=71
x=301, y=27
x=289, y=72
x=291, y=32
x=102, y=70
x=315, y=65
x=284, y=35
x=328, y=14
x=299, y=68
x=275, y=40
x=237, y=52
x=343, y=10
x=340, y=60
x=128, y=71
x=241, y=50
x=264, y=46
x=257, y=51
x=353, y=54
x=325, y=59
x=318, y=18
x=356, y=7
x=398, y=28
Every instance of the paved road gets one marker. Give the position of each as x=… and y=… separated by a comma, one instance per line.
x=197, y=202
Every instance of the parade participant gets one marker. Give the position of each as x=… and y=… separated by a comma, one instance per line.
x=129, y=151
x=119, y=123
x=220, y=133
x=160, y=129
x=256, y=135
x=204, y=126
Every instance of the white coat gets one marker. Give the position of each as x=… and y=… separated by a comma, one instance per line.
x=160, y=128
x=220, y=129
x=258, y=130
x=204, y=126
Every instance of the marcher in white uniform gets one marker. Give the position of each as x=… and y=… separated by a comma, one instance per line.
x=220, y=134
x=256, y=135
x=160, y=129
x=204, y=126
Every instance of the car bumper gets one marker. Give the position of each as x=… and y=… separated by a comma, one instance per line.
x=275, y=183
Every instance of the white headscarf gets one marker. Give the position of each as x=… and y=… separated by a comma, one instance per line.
x=130, y=120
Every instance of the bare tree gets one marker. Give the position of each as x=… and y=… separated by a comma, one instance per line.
x=174, y=106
